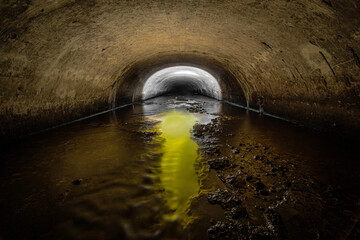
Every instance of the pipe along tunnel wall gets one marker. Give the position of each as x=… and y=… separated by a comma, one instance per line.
x=62, y=60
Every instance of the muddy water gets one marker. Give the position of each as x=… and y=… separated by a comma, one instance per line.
x=176, y=168
x=179, y=152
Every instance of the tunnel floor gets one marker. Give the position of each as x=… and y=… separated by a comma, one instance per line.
x=139, y=173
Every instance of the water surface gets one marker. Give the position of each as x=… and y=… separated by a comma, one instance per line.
x=138, y=172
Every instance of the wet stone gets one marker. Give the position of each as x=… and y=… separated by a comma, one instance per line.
x=232, y=230
x=224, y=198
x=235, y=180
x=272, y=217
x=238, y=212
x=218, y=163
x=218, y=231
x=259, y=186
x=273, y=220
x=218, y=196
x=257, y=157
x=248, y=178
x=260, y=233
x=231, y=202
x=230, y=179
x=216, y=150
x=235, y=150
x=218, y=131
x=148, y=134
x=77, y=181
x=212, y=151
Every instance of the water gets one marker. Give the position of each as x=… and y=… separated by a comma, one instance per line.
x=177, y=165
x=139, y=173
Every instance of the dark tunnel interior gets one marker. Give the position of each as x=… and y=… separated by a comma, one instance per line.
x=162, y=119
x=182, y=87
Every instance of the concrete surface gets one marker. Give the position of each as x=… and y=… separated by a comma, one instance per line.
x=61, y=60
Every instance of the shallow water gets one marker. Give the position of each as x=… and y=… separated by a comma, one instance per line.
x=138, y=173
x=177, y=174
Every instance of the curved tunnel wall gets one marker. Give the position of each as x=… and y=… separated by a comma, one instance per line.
x=64, y=60
x=130, y=85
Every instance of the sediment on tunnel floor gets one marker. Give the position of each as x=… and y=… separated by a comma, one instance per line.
x=113, y=176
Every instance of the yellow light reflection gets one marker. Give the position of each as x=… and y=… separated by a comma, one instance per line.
x=178, y=175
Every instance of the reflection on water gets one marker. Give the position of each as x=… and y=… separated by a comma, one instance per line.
x=126, y=172
x=179, y=154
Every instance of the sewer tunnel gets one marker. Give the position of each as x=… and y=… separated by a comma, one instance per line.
x=179, y=119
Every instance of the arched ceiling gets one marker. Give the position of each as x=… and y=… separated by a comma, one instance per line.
x=61, y=60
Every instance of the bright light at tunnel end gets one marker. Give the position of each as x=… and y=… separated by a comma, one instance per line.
x=159, y=82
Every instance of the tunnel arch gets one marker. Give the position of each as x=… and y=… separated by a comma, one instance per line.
x=58, y=66
x=181, y=79
x=130, y=81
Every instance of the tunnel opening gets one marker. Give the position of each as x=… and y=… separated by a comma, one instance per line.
x=203, y=75
x=181, y=80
